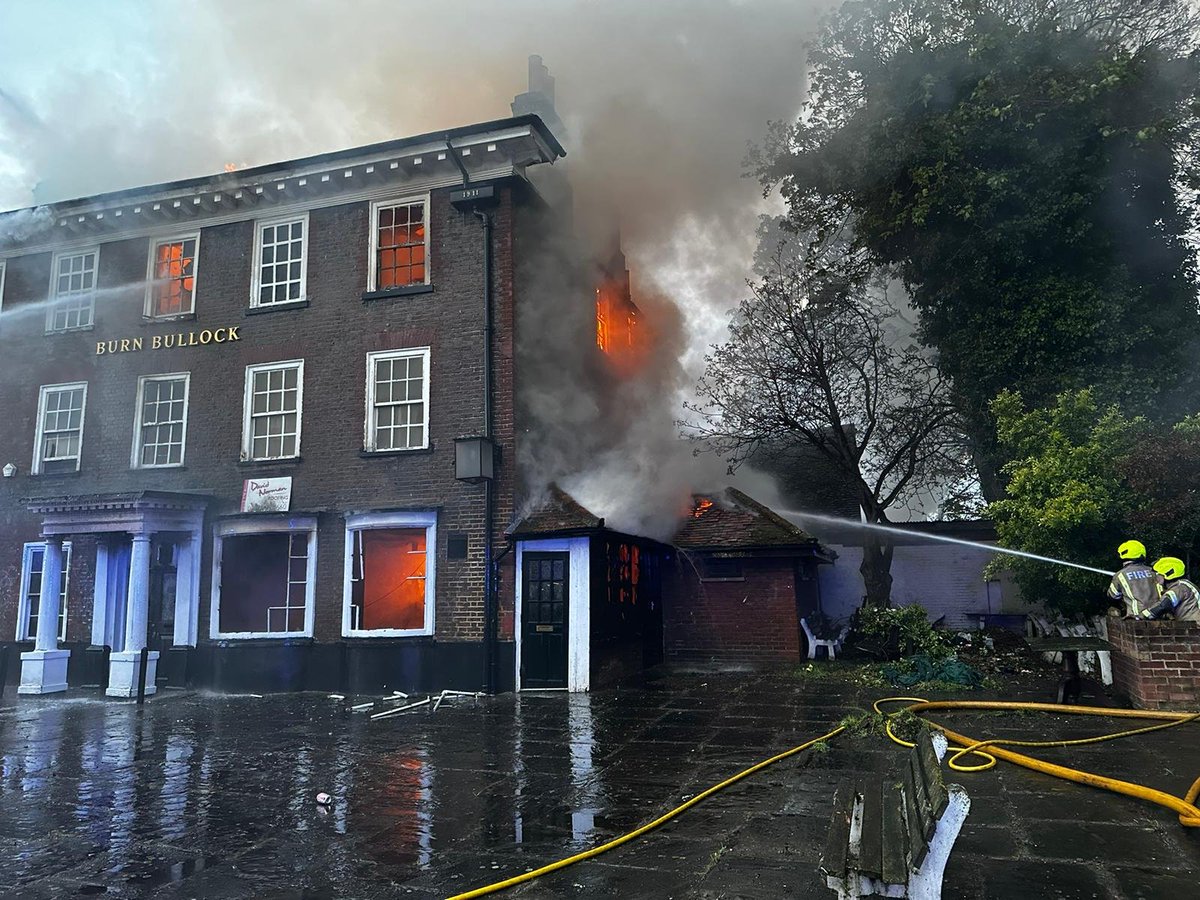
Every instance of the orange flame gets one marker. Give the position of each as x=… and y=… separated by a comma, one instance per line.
x=700, y=507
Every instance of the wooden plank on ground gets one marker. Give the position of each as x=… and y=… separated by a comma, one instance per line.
x=931, y=774
x=894, y=858
x=837, y=845
x=921, y=791
x=917, y=844
x=870, y=849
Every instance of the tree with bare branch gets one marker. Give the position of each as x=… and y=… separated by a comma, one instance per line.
x=815, y=357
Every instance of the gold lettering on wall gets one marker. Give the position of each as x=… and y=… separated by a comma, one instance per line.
x=168, y=341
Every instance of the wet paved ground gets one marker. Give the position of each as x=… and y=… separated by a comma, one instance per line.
x=209, y=796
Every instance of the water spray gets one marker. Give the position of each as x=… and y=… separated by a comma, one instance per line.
x=904, y=532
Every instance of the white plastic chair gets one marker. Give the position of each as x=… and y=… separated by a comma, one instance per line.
x=830, y=644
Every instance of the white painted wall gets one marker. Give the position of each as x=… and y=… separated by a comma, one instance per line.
x=946, y=579
x=579, y=607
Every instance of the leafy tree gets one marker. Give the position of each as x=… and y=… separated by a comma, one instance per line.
x=1082, y=480
x=1066, y=498
x=1020, y=163
x=1164, y=474
x=813, y=360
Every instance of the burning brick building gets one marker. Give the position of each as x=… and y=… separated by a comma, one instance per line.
x=264, y=423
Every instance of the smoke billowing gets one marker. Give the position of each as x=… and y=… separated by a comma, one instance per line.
x=659, y=101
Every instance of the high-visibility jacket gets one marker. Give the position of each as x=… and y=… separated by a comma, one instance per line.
x=1181, y=598
x=1135, y=585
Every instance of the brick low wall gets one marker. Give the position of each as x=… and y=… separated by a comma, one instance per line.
x=1156, y=664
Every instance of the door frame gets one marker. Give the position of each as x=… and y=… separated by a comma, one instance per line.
x=578, y=607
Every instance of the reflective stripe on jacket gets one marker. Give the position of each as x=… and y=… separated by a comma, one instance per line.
x=1184, y=598
x=1135, y=585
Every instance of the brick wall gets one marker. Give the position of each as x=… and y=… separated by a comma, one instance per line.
x=750, y=621
x=1156, y=664
x=332, y=335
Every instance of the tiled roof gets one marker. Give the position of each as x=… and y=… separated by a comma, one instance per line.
x=731, y=519
x=557, y=511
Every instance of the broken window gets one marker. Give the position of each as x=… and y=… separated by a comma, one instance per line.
x=390, y=566
x=73, y=287
x=60, y=428
x=173, y=278
x=31, y=591
x=401, y=242
x=162, y=401
x=264, y=585
x=271, y=427
x=281, y=263
x=397, y=400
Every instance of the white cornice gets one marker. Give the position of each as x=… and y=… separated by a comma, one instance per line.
x=168, y=227
x=309, y=184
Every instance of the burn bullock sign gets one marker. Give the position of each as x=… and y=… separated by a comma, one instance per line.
x=169, y=341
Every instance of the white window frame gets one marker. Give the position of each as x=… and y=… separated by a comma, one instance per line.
x=426, y=519
x=91, y=295
x=43, y=393
x=369, y=435
x=256, y=274
x=135, y=459
x=155, y=243
x=3, y=266
x=264, y=525
x=248, y=407
x=373, y=256
x=23, y=598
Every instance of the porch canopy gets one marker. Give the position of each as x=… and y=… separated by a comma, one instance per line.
x=132, y=529
x=131, y=512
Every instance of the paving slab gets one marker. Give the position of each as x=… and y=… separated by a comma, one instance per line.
x=214, y=796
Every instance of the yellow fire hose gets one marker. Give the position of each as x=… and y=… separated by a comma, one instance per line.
x=1189, y=815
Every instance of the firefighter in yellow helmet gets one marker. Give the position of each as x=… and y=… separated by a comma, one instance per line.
x=1180, y=597
x=1135, y=586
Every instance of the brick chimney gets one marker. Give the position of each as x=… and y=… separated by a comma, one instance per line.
x=539, y=99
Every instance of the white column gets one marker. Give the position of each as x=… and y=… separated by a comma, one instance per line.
x=137, y=610
x=50, y=596
x=185, y=560
x=124, y=672
x=100, y=608
x=44, y=669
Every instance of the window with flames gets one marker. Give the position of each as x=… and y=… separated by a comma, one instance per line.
x=173, y=278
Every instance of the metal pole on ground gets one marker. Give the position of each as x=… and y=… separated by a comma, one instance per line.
x=143, y=663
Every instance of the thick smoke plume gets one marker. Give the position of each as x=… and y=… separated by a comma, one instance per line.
x=659, y=102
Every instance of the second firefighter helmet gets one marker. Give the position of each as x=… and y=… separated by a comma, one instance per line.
x=1132, y=550
x=1169, y=567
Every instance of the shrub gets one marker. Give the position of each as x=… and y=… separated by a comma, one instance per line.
x=896, y=632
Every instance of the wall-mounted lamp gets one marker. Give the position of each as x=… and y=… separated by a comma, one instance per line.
x=9, y=470
x=474, y=459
